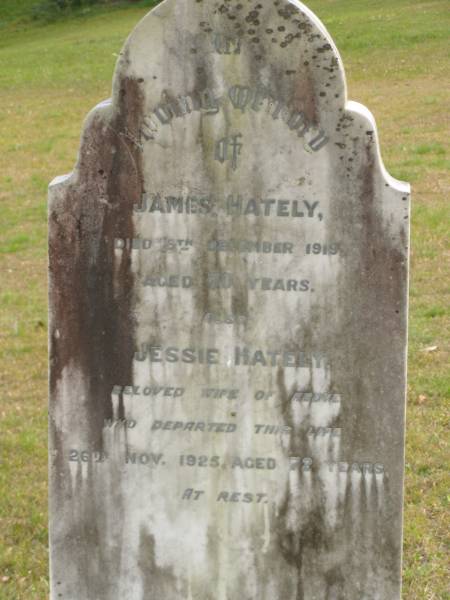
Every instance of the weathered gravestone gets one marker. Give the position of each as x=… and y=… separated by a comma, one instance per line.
x=228, y=283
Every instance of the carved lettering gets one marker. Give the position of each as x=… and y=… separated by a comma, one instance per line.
x=245, y=497
x=195, y=426
x=242, y=98
x=143, y=459
x=228, y=149
x=311, y=397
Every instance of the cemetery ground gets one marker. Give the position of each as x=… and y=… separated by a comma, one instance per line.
x=397, y=59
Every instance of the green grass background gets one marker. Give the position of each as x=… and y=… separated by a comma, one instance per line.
x=396, y=54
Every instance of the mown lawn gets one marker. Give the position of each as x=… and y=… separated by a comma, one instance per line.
x=397, y=58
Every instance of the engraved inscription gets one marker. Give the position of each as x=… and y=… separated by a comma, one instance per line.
x=116, y=423
x=190, y=460
x=233, y=205
x=87, y=456
x=196, y=426
x=250, y=246
x=311, y=397
x=297, y=463
x=223, y=280
x=241, y=97
x=242, y=356
x=191, y=494
x=356, y=467
x=245, y=497
x=203, y=101
x=325, y=249
x=217, y=393
x=246, y=98
x=148, y=390
x=229, y=149
x=143, y=459
x=159, y=244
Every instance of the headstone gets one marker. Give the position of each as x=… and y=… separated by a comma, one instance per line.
x=228, y=308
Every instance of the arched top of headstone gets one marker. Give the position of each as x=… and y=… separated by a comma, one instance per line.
x=271, y=63
x=279, y=49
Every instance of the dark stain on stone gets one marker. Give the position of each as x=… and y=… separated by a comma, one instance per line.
x=374, y=286
x=158, y=582
x=92, y=314
x=91, y=302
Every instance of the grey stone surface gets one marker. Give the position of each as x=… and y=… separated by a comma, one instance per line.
x=228, y=310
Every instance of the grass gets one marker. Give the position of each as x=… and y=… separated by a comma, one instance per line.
x=19, y=14
x=397, y=62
